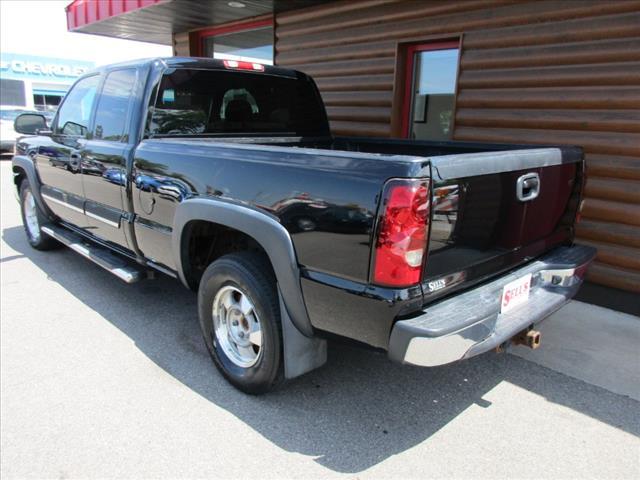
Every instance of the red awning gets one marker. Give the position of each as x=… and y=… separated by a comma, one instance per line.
x=156, y=20
x=85, y=12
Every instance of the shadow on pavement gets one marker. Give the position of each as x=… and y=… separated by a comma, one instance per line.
x=353, y=413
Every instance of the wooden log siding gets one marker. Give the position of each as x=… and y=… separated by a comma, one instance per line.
x=181, y=46
x=535, y=72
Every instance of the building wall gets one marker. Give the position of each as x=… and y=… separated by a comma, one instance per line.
x=564, y=72
x=181, y=47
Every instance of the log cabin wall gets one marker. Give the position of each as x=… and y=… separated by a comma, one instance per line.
x=181, y=44
x=565, y=72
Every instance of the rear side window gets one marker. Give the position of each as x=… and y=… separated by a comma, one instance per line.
x=218, y=102
x=113, y=105
x=75, y=113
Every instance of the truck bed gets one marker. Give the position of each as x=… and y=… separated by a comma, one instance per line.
x=326, y=192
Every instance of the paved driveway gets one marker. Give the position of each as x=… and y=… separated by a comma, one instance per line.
x=100, y=379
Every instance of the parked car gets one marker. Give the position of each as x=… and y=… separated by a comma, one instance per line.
x=432, y=251
x=8, y=135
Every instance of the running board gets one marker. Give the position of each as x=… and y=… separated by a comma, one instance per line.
x=99, y=255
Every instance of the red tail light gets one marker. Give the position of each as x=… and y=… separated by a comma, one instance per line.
x=581, y=271
x=256, y=67
x=402, y=233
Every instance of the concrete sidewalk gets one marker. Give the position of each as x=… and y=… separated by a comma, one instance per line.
x=591, y=343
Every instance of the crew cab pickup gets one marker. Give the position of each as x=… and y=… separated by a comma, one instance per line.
x=225, y=175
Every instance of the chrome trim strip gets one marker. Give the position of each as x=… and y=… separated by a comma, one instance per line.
x=485, y=163
x=153, y=226
x=164, y=270
x=102, y=219
x=63, y=203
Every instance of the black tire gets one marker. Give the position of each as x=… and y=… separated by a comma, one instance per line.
x=40, y=240
x=250, y=273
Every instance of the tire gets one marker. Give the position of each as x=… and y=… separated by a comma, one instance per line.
x=33, y=219
x=233, y=284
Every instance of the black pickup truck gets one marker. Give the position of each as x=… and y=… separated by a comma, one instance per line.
x=225, y=175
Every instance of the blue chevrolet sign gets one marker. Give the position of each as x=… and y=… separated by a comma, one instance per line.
x=23, y=67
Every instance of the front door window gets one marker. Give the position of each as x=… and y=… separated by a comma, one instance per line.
x=75, y=113
x=431, y=77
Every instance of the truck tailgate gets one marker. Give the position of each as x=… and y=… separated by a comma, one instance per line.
x=493, y=211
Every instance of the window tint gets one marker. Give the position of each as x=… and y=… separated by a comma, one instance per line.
x=75, y=113
x=213, y=102
x=113, y=105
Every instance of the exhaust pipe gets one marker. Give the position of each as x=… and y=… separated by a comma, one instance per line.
x=529, y=338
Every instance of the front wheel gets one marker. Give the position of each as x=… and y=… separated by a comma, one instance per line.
x=240, y=321
x=33, y=218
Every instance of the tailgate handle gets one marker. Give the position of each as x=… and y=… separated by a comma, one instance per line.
x=528, y=187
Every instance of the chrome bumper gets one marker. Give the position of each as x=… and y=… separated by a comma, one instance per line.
x=470, y=323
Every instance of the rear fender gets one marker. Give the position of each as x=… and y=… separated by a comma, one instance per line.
x=276, y=242
x=302, y=352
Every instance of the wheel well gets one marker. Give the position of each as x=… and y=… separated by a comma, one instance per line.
x=204, y=242
x=18, y=175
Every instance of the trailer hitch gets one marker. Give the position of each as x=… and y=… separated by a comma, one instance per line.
x=529, y=338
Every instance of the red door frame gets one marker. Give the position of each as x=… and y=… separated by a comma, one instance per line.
x=409, y=75
x=201, y=35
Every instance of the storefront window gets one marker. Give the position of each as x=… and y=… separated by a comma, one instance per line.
x=46, y=102
x=254, y=45
x=12, y=92
x=432, y=72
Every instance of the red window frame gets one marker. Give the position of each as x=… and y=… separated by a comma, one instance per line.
x=409, y=75
x=201, y=35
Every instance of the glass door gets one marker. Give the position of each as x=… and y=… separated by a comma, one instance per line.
x=430, y=90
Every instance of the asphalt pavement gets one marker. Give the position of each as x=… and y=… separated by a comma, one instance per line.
x=104, y=380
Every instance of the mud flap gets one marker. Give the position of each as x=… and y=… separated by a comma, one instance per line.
x=301, y=354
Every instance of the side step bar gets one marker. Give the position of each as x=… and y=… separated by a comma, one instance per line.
x=99, y=255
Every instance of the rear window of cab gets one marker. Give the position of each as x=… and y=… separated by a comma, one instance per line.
x=217, y=102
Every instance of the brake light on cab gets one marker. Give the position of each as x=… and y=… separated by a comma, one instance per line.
x=403, y=230
x=240, y=65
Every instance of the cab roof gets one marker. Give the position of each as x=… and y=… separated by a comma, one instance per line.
x=196, y=63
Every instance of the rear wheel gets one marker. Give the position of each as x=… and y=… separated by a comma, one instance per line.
x=240, y=321
x=33, y=218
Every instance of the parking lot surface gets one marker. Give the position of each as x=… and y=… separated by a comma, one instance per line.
x=104, y=380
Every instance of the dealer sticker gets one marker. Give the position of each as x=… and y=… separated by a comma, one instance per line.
x=515, y=293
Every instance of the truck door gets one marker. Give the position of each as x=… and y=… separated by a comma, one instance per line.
x=104, y=157
x=59, y=161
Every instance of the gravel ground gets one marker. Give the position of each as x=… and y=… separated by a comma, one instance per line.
x=104, y=380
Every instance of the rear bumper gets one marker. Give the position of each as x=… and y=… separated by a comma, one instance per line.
x=470, y=323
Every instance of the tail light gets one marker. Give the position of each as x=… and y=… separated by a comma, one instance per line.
x=581, y=271
x=239, y=65
x=402, y=233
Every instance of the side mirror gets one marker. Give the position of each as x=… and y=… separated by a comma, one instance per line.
x=30, y=123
